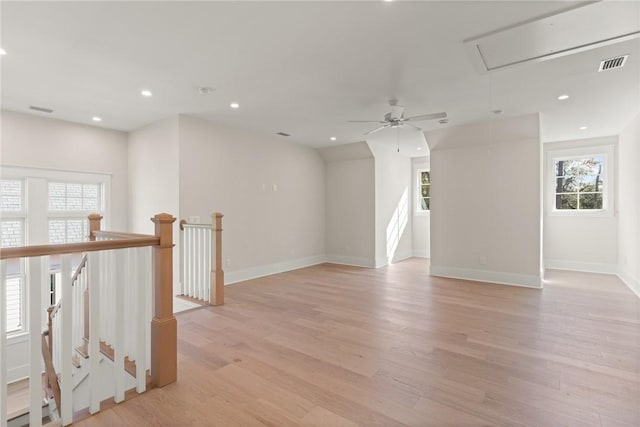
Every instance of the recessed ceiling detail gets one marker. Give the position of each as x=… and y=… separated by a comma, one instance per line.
x=554, y=36
x=612, y=63
x=283, y=134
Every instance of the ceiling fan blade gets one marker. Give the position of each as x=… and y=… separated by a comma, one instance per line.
x=427, y=117
x=376, y=129
x=413, y=126
x=365, y=121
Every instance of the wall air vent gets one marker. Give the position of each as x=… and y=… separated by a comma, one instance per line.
x=41, y=109
x=611, y=63
x=283, y=134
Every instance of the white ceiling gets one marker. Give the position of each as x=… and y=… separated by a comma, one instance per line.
x=304, y=68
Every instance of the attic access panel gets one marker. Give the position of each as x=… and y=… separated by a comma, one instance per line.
x=572, y=31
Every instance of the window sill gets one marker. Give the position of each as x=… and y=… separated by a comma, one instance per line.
x=584, y=214
x=422, y=213
x=17, y=338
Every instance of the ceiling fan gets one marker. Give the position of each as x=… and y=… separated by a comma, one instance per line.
x=395, y=118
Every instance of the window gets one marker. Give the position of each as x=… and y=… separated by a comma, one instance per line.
x=13, y=234
x=40, y=206
x=424, y=186
x=69, y=206
x=579, y=183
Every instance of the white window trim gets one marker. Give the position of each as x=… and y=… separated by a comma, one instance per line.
x=608, y=192
x=41, y=236
x=418, y=189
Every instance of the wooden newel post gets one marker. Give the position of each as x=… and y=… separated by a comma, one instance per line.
x=164, y=327
x=94, y=225
x=217, y=274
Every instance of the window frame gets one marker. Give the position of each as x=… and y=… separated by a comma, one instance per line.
x=36, y=215
x=418, y=188
x=608, y=186
x=21, y=216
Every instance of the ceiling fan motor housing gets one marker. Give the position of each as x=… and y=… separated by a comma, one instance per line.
x=396, y=113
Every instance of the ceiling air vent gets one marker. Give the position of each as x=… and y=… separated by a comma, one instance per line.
x=611, y=63
x=41, y=109
x=283, y=134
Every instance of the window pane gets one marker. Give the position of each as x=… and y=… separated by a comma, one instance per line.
x=425, y=190
x=57, y=196
x=75, y=230
x=566, y=201
x=14, y=304
x=424, y=203
x=566, y=185
x=12, y=233
x=74, y=197
x=57, y=231
x=590, y=183
x=10, y=195
x=425, y=178
x=591, y=201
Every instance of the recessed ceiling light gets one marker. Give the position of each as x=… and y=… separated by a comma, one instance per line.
x=146, y=93
x=333, y=138
x=582, y=128
x=234, y=105
x=96, y=119
x=497, y=112
x=419, y=148
x=2, y=51
x=563, y=97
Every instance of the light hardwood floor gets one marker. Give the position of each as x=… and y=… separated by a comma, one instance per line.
x=341, y=346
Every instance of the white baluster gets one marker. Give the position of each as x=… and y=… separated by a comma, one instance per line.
x=3, y=344
x=183, y=255
x=93, y=265
x=66, y=382
x=191, y=271
x=141, y=321
x=197, y=259
x=36, y=281
x=118, y=344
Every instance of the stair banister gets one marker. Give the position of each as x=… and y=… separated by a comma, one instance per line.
x=164, y=327
x=217, y=296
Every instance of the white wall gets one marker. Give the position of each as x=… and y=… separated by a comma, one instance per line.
x=153, y=180
x=485, y=201
x=393, y=207
x=39, y=142
x=350, y=205
x=573, y=241
x=629, y=205
x=271, y=192
x=421, y=220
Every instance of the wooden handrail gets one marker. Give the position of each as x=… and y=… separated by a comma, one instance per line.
x=80, y=267
x=118, y=234
x=70, y=248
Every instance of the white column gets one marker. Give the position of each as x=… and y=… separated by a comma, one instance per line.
x=141, y=318
x=93, y=265
x=66, y=313
x=37, y=269
x=118, y=344
x=3, y=344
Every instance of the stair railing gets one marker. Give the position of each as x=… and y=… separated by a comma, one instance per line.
x=157, y=339
x=202, y=276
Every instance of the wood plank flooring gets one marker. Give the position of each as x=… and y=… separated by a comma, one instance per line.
x=342, y=346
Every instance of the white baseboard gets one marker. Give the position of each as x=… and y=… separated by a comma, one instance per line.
x=267, y=270
x=529, y=281
x=631, y=283
x=421, y=253
x=349, y=260
x=587, y=267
